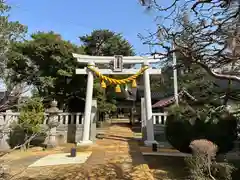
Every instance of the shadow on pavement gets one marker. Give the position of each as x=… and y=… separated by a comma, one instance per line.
x=133, y=168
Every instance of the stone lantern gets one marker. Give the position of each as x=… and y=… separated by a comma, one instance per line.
x=52, y=124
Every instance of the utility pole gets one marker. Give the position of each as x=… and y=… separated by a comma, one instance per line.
x=175, y=82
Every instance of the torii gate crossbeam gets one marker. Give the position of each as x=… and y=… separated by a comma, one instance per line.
x=107, y=59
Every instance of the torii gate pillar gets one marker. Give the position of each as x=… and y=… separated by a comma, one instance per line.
x=88, y=108
x=148, y=107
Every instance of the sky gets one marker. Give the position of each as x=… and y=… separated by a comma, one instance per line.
x=75, y=18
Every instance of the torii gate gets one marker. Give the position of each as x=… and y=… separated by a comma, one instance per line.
x=118, y=62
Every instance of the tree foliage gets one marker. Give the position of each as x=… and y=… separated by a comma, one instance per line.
x=10, y=31
x=29, y=122
x=192, y=76
x=46, y=62
x=106, y=43
x=187, y=123
x=32, y=115
x=105, y=104
x=194, y=79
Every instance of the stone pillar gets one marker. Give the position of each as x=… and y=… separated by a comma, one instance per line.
x=4, y=132
x=53, y=112
x=93, y=131
x=52, y=135
x=143, y=120
x=148, y=107
x=8, y=118
x=88, y=106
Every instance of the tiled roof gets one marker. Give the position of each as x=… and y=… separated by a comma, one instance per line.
x=154, y=95
x=137, y=94
x=164, y=102
x=167, y=101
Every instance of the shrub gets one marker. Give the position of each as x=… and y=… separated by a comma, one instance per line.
x=185, y=124
x=198, y=171
x=30, y=122
x=203, y=164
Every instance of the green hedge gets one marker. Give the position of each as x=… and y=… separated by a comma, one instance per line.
x=220, y=128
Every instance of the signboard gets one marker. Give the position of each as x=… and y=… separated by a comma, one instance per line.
x=118, y=63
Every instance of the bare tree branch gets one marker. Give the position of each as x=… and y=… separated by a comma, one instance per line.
x=207, y=33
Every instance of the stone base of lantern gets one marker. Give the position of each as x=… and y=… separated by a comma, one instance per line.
x=51, y=142
x=4, y=146
x=85, y=143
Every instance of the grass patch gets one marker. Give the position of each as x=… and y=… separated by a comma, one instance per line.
x=167, y=167
x=137, y=135
x=170, y=167
x=67, y=148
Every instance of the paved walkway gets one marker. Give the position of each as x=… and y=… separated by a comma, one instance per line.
x=61, y=159
x=115, y=157
x=118, y=148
